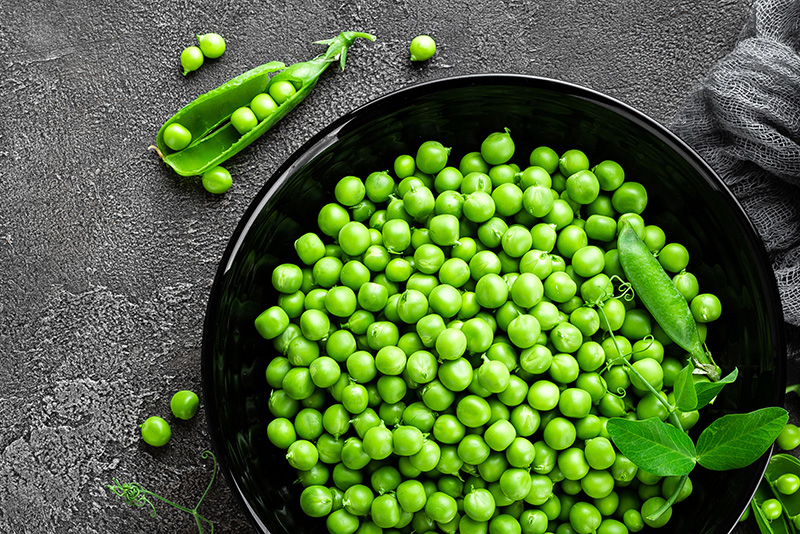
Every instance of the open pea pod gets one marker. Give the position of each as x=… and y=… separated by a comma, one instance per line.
x=214, y=139
x=781, y=525
x=781, y=464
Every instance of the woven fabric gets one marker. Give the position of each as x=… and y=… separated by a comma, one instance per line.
x=743, y=118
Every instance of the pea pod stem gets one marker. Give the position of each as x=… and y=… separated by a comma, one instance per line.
x=670, y=500
x=673, y=416
x=214, y=138
x=135, y=495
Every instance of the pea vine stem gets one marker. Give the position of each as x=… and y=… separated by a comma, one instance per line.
x=673, y=417
x=135, y=495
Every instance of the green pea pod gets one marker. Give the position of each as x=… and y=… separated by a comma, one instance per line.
x=214, y=139
x=781, y=464
x=661, y=298
x=781, y=525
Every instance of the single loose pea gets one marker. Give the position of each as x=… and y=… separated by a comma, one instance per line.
x=176, y=136
x=630, y=197
x=184, y=404
x=583, y=187
x=432, y=157
x=155, y=431
x=271, y=322
x=349, y=191
x=706, y=308
x=422, y=48
x=610, y=174
x=497, y=148
x=211, y=44
x=572, y=161
x=281, y=432
x=789, y=438
x=316, y=501
x=217, y=180
x=191, y=59
x=544, y=157
x=244, y=120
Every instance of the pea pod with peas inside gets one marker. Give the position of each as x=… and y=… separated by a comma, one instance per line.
x=781, y=478
x=768, y=525
x=210, y=136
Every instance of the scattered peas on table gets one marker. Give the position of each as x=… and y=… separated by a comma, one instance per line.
x=458, y=348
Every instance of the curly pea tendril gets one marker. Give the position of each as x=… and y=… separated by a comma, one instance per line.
x=135, y=495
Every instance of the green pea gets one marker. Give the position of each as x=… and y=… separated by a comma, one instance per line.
x=431, y=156
x=789, y=437
x=191, y=59
x=263, y=106
x=441, y=507
x=184, y=404
x=316, y=501
x=653, y=504
x=342, y=522
x=211, y=44
x=281, y=91
x=422, y=48
x=244, y=120
x=177, y=136
x=155, y=431
x=497, y=148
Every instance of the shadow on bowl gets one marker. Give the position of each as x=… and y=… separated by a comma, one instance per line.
x=686, y=199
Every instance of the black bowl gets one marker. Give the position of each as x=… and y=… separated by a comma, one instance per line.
x=687, y=200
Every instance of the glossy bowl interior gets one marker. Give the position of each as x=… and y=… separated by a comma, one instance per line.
x=686, y=199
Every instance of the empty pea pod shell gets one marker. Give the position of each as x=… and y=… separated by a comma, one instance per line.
x=214, y=139
x=659, y=295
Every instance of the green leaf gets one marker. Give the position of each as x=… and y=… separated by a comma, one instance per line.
x=737, y=440
x=706, y=391
x=685, y=394
x=653, y=445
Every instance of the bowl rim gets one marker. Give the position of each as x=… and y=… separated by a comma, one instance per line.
x=321, y=140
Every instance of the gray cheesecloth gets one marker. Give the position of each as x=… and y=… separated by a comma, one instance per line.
x=743, y=118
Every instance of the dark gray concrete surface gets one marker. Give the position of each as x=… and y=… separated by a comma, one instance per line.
x=107, y=257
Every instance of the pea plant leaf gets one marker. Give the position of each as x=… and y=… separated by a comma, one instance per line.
x=737, y=440
x=653, y=445
x=706, y=391
x=685, y=393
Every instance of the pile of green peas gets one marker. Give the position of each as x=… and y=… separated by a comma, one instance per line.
x=441, y=364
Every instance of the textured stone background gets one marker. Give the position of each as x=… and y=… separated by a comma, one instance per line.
x=107, y=257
